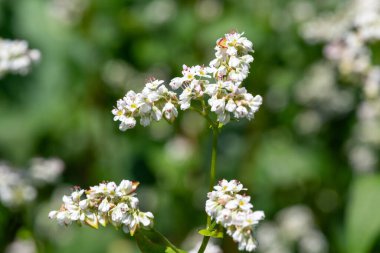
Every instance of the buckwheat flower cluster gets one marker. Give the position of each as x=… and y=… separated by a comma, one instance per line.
x=16, y=57
x=221, y=81
x=153, y=103
x=213, y=90
x=233, y=210
x=102, y=204
x=229, y=68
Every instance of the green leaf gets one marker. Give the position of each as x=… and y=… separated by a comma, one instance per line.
x=363, y=223
x=214, y=230
x=212, y=233
x=151, y=241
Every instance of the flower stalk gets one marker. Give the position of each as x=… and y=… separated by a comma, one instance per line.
x=215, y=132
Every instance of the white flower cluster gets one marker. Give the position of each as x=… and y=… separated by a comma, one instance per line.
x=16, y=57
x=216, y=88
x=18, y=187
x=233, y=211
x=153, y=103
x=102, y=204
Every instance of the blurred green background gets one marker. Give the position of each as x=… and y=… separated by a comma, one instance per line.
x=94, y=51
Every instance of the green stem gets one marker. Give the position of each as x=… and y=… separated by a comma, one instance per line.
x=204, y=244
x=212, y=181
x=213, y=157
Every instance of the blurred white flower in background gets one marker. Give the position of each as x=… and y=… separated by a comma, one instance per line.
x=295, y=221
x=22, y=246
x=158, y=12
x=179, y=148
x=294, y=228
x=209, y=10
x=18, y=187
x=15, y=189
x=67, y=11
x=16, y=57
x=348, y=35
x=46, y=170
x=319, y=89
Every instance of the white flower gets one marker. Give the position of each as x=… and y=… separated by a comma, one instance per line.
x=104, y=206
x=217, y=105
x=126, y=187
x=170, y=111
x=119, y=213
x=145, y=218
x=229, y=186
x=230, y=106
x=156, y=114
x=176, y=82
x=241, y=202
x=153, y=85
x=127, y=123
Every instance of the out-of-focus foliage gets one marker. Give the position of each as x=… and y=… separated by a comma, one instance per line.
x=296, y=153
x=363, y=227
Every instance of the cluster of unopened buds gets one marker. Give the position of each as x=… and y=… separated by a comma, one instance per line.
x=16, y=57
x=229, y=208
x=102, y=204
x=213, y=89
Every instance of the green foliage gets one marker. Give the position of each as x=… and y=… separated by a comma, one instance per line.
x=363, y=220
